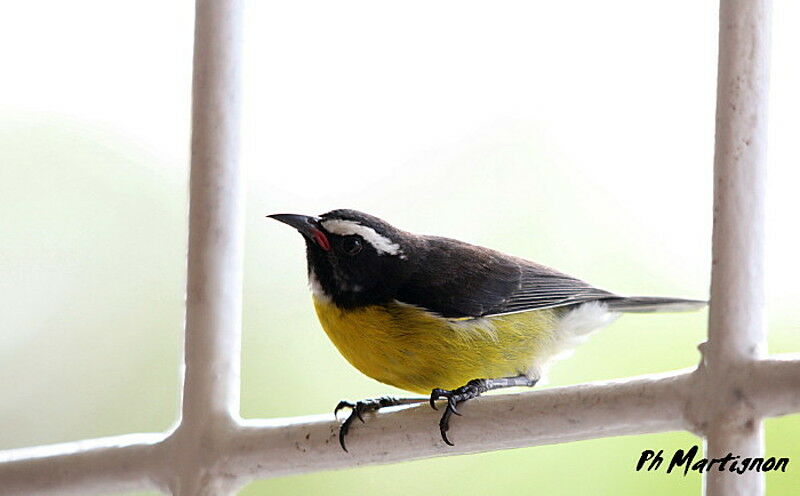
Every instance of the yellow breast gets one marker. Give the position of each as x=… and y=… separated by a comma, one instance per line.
x=407, y=347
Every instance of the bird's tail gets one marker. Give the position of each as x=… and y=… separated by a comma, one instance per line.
x=652, y=304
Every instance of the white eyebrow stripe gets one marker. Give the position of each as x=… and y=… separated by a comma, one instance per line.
x=382, y=244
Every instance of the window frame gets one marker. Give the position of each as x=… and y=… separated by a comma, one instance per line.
x=212, y=451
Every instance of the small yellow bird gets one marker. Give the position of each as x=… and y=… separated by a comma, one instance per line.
x=442, y=317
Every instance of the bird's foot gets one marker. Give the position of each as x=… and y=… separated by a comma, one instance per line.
x=472, y=389
x=359, y=408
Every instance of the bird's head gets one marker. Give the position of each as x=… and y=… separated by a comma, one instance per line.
x=354, y=258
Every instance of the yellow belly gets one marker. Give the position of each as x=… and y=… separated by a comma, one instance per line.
x=411, y=349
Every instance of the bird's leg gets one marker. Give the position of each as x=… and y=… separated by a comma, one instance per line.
x=472, y=389
x=359, y=408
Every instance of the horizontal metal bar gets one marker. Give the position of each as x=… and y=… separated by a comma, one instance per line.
x=263, y=449
x=94, y=466
x=256, y=449
x=774, y=385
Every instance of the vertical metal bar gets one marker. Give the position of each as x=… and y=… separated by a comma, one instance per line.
x=214, y=281
x=736, y=321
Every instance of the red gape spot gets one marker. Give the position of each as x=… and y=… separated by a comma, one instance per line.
x=321, y=240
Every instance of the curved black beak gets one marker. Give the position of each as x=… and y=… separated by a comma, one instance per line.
x=306, y=225
x=302, y=223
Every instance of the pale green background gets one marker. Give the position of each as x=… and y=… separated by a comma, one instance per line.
x=579, y=136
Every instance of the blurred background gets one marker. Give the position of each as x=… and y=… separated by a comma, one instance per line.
x=577, y=134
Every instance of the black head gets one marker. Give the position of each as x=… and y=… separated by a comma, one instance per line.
x=353, y=258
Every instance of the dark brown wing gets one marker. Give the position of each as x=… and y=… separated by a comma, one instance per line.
x=541, y=287
x=459, y=280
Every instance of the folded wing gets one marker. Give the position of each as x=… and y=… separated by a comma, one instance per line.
x=471, y=281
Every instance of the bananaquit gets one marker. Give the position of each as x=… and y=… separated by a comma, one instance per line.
x=442, y=317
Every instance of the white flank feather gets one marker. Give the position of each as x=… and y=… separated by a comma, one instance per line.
x=573, y=329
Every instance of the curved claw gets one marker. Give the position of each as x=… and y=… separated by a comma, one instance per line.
x=343, y=404
x=345, y=427
x=435, y=395
x=342, y=433
x=444, y=438
x=444, y=426
x=358, y=409
x=451, y=404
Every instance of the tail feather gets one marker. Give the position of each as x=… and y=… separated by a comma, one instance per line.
x=653, y=304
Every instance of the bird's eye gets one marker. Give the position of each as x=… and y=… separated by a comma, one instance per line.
x=351, y=245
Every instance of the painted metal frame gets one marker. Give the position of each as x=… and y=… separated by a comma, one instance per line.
x=212, y=451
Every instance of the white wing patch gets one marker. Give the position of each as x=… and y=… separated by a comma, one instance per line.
x=382, y=244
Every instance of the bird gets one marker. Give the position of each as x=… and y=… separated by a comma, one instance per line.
x=443, y=317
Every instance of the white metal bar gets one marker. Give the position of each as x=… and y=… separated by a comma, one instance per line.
x=265, y=449
x=213, y=452
x=272, y=448
x=214, y=280
x=736, y=318
x=773, y=385
x=654, y=403
x=94, y=466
